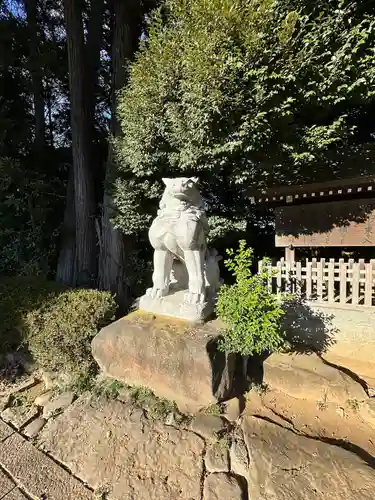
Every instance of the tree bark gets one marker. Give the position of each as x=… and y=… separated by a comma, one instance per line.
x=92, y=65
x=83, y=181
x=35, y=68
x=66, y=264
x=48, y=99
x=112, y=267
x=92, y=59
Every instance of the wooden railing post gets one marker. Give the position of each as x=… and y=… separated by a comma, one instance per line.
x=355, y=280
x=298, y=289
x=308, y=280
x=319, y=279
x=342, y=277
x=355, y=283
x=270, y=276
x=331, y=281
x=279, y=277
x=368, y=284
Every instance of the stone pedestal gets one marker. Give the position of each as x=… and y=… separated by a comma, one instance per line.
x=173, y=305
x=176, y=360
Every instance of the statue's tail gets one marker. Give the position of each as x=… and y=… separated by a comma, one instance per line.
x=179, y=254
x=170, y=244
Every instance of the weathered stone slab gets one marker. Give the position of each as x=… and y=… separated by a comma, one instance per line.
x=285, y=466
x=4, y=401
x=15, y=494
x=39, y=475
x=6, y=485
x=43, y=399
x=33, y=392
x=234, y=408
x=222, y=486
x=207, y=426
x=217, y=457
x=118, y=446
x=174, y=359
x=306, y=376
x=23, y=385
x=19, y=415
x=5, y=431
x=239, y=457
x=34, y=427
x=58, y=404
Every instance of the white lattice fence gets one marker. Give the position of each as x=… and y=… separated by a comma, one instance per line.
x=332, y=281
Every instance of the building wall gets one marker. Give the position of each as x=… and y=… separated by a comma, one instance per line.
x=345, y=223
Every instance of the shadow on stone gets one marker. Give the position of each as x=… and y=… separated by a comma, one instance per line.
x=307, y=330
x=255, y=370
x=349, y=373
x=300, y=369
x=15, y=359
x=228, y=378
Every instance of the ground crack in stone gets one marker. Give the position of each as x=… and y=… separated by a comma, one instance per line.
x=283, y=417
x=57, y=462
x=204, y=471
x=295, y=469
x=349, y=373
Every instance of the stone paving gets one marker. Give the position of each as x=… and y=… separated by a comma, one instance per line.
x=93, y=447
x=26, y=472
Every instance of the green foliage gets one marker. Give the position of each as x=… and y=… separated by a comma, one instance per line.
x=157, y=409
x=82, y=381
x=22, y=399
x=32, y=178
x=18, y=296
x=59, y=333
x=243, y=93
x=222, y=444
x=107, y=388
x=214, y=409
x=353, y=404
x=55, y=323
x=251, y=313
x=30, y=207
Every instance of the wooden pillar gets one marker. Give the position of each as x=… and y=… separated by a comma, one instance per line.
x=289, y=254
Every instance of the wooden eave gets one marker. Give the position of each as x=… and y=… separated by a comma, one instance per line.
x=320, y=191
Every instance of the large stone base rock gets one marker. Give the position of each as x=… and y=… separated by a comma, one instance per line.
x=307, y=376
x=175, y=360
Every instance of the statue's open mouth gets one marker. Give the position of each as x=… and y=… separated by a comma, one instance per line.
x=179, y=195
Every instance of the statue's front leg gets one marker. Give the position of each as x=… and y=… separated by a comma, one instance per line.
x=194, y=260
x=163, y=260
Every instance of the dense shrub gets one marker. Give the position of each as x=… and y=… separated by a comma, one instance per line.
x=244, y=93
x=251, y=313
x=18, y=295
x=55, y=323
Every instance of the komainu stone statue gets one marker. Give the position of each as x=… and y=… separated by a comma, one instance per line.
x=182, y=261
